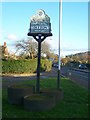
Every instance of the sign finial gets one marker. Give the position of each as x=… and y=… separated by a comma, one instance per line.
x=40, y=16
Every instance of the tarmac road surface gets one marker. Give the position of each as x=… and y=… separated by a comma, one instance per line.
x=78, y=76
x=81, y=78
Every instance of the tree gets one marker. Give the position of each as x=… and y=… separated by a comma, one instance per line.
x=64, y=61
x=0, y=51
x=29, y=48
x=45, y=49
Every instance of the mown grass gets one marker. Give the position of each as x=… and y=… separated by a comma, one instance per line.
x=74, y=104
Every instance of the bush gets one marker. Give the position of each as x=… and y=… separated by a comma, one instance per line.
x=46, y=65
x=24, y=66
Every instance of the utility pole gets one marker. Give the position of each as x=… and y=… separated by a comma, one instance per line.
x=60, y=30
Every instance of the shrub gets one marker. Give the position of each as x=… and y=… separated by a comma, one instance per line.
x=24, y=66
x=46, y=65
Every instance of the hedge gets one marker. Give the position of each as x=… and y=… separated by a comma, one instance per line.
x=24, y=66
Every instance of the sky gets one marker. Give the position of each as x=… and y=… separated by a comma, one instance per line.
x=16, y=22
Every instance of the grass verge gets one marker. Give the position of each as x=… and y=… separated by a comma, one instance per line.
x=74, y=104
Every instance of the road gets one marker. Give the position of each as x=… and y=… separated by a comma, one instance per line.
x=81, y=78
x=9, y=80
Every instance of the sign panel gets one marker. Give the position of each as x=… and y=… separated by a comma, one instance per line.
x=40, y=28
x=40, y=23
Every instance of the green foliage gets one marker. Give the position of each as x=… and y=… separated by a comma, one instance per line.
x=46, y=65
x=24, y=66
x=0, y=65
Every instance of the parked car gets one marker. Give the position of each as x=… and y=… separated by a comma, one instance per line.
x=55, y=65
x=82, y=66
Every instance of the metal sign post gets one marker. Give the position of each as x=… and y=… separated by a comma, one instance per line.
x=40, y=28
x=38, y=67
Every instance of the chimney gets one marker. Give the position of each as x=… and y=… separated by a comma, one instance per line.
x=5, y=49
x=4, y=44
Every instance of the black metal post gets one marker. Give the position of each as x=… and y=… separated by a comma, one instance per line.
x=38, y=66
x=39, y=37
